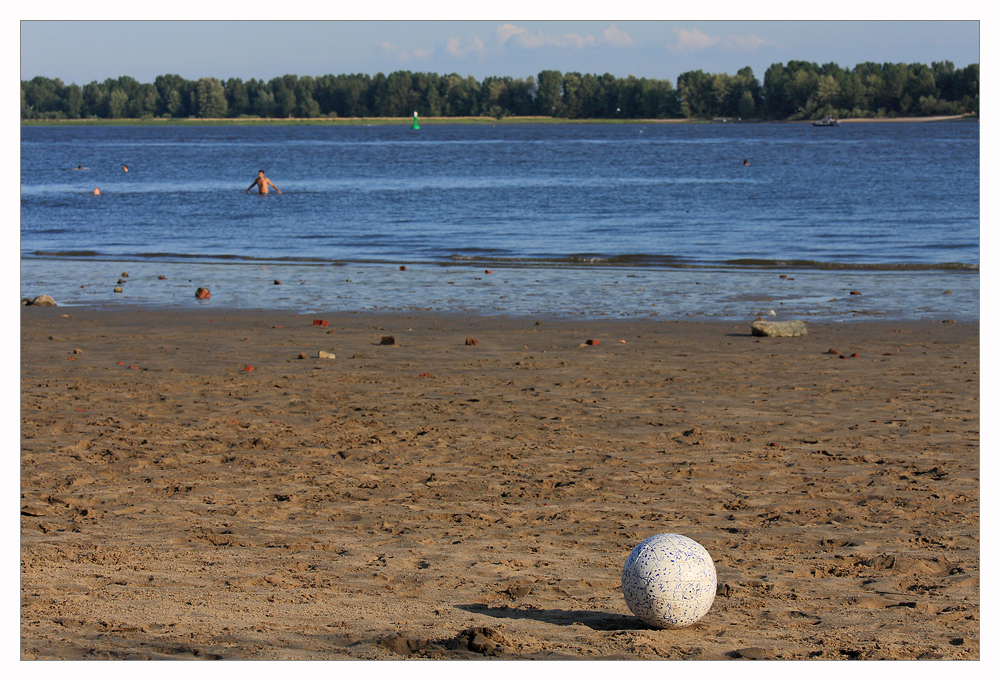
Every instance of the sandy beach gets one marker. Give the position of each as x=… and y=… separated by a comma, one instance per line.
x=193, y=489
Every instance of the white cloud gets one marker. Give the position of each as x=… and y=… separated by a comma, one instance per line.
x=519, y=36
x=456, y=48
x=691, y=41
x=507, y=31
x=615, y=37
x=397, y=53
x=747, y=43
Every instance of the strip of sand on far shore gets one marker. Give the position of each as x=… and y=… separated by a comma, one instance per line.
x=192, y=489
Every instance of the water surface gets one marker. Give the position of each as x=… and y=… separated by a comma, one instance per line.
x=602, y=220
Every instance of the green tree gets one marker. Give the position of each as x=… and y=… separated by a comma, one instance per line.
x=746, y=96
x=495, y=96
x=944, y=78
x=571, y=105
x=283, y=89
x=174, y=104
x=461, y=95
x=211, y=98
x=264, y=103
x=777, y=102
x=549, y=93
x=827, y=91
x=348, y=95
x=697, y=91
x=797, y=89
x=747, y=107
x=430, y=94
x=74, y=101
x=237, y=98
x=305, y=105
x=117, y=102
x=171, y=88
x=802, y=89
x=144, y=102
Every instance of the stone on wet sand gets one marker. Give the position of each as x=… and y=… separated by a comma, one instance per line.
x=41, y=301
x=793, y=327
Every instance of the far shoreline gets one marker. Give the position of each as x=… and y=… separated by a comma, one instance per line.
x=465, y=120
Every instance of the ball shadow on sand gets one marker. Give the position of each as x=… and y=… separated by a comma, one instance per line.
x=597, y=620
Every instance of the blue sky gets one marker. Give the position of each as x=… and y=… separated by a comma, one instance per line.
x=84, y=51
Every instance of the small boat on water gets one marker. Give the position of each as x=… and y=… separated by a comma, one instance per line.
x=827, y=122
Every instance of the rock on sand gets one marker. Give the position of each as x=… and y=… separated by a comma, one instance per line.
x=792, y=327
x=43, y=301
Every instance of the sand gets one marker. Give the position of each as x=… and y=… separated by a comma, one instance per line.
x=437, y=500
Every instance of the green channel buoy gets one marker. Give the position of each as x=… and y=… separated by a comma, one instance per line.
x=415, y=125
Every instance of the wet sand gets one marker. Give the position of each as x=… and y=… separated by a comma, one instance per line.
x=436, y=500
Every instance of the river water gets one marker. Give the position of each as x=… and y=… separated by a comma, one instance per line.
x=596, y=220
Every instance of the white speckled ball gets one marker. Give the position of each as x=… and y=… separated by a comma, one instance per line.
x=669, y=581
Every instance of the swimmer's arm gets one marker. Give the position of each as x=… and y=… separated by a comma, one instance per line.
x=273, y=185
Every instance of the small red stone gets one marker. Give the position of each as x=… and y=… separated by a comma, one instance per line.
x=202, y=293
x=591, y=341
x=471, y=341
x=388, y=340
x=248, y=368
x=302, y=355
x=855, y=293
x=855, y=355
x=320, y=322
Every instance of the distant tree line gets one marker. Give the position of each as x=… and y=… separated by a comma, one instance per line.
x=796, y=90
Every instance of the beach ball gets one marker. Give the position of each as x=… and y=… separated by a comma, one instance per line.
x=669, y=581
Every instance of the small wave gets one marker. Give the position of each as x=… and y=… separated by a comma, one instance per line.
x=67, y=254
x=650, y=261
x=758, y=264
x=185, y=257
x=499, y=258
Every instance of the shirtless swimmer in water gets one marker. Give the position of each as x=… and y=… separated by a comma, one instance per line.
x=261, y=183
